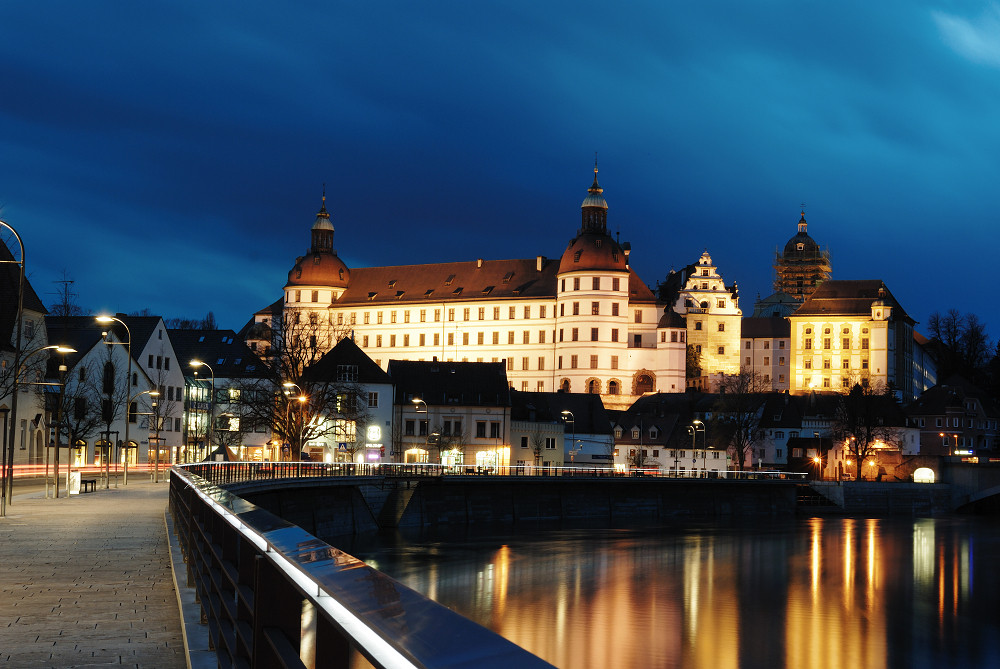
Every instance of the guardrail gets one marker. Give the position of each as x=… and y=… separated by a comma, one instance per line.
x=273, y=595
x=222, y=473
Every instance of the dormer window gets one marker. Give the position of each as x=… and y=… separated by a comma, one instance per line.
x=489, y=289
x=371, y=296
x=704, y=272
x=576, y=256
x=427, y=293
x=392, y=284
x=449, y=280
x=507, y=277
x=597, y=242
x=800, y=246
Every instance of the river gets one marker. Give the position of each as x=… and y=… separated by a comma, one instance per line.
x=824, y=592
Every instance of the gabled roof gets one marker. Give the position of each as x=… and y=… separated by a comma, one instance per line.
x=227, y=355
x=141, y=328
x=588, y=411
x=346, y=352
x=10, y=272
x=765, y=328
x=849, y=298
x=454, y=383
x=78, y=332
x=951, y=394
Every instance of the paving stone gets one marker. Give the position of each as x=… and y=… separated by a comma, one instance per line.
x=86, y=581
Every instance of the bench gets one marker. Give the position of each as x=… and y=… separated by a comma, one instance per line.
x=85, y=483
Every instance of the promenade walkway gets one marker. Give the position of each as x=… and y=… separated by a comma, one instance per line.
x=86, y=581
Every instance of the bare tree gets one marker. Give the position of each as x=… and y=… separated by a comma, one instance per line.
x=738, y=409
x=327, y=408
x=537, y=444
x=963, y=346
x=81, y=404
x=863, y=418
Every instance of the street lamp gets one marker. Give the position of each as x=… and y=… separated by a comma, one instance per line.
x=568, y=417
x=107, y=320
x=693, y=429
x=211, y=407
x=7, y=480
x=819, y=465
x=302, y=398
x=128, y=419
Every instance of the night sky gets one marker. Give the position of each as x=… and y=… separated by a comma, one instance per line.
x=172, y=155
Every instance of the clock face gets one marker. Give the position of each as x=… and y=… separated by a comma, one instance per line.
x=374, y=433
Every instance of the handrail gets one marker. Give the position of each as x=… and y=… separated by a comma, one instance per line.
x=223, y=473
x=274, y=595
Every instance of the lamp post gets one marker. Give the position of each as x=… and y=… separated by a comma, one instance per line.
x=568, y=417
x=211, y=407
x=107, y=320
x=302, y=398
x=693, y=429
x=7, y=479
x=417, y=402
x=128, y=419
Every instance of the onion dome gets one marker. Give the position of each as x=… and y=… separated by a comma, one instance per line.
x=321, y=266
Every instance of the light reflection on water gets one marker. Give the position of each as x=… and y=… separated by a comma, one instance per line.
x=817, y=592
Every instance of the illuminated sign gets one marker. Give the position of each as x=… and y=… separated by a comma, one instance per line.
x=374, y=433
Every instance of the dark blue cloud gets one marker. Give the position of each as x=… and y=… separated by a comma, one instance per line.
x=171, y=155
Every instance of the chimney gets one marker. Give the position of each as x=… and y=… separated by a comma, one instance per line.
x=539, y=261
x=479, y=263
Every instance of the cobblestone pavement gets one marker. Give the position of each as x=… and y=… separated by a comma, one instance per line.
x=86, y=581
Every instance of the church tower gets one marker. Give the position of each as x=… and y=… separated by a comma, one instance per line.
x=802, y=266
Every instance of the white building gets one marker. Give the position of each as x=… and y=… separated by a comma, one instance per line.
x=582, y=323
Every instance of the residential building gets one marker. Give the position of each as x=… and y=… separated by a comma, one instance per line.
x=223, y=418
x=153, y=351
x=956, y=418
x=107, y=398
x=358, y=427
x=452, y=413
x=765, y=349
x=29, y=428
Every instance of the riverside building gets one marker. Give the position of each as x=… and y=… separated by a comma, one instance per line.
x=583, y=322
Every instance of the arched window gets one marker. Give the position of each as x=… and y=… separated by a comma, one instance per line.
x=643, y=384
x=704, y=305
x=564, y=385
x=594, y=387
x=613, y=388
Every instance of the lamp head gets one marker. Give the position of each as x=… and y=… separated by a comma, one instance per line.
x=104, y=319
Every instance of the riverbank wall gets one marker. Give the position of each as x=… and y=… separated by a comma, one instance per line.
x=334, y=508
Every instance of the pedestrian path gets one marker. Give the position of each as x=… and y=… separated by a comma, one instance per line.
x=86, y=581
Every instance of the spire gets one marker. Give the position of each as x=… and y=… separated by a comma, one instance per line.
x=802, y=222
x=595, y=207
x=322, y=229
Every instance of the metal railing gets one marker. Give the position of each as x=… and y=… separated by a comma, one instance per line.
x=222, y=473
x=273, y=595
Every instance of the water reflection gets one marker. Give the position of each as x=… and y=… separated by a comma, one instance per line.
x=817, y=592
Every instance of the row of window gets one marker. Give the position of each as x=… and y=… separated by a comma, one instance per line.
x=844, y=364
x=160, y=361
x=595, y=283
x=465, y=338
x=574, y=362
x=549, y=443
x=767, y=344
x=828, y=343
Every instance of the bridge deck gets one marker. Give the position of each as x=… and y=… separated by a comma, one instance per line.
x=86, y=581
